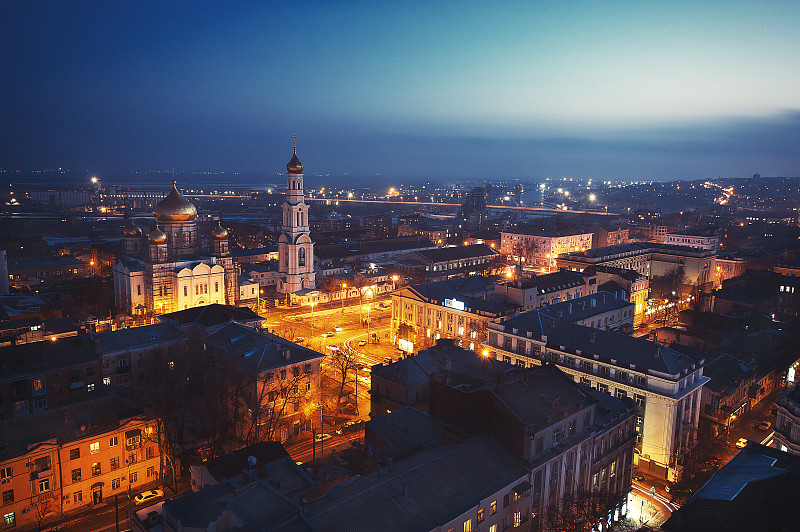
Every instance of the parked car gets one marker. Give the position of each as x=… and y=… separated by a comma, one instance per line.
x=764, y=425
x=322, y=437
x=362, y=343
x=337, y=329
x=350, y=427
x=298, y=339
x=741, y=443
x=328, y=334
x=146, y=496
x=331, y=348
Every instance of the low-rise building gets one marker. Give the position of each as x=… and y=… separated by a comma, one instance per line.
x=34, y=271
x=634, y=283
x=444, y=263
x=787, y=425
x=273, y=385
x=665, y=384
x=75, y=458
x=540, y=250
x=694, y=239
x=600, y=310
x=456, y=308
x=756, y=491
x=533, y=291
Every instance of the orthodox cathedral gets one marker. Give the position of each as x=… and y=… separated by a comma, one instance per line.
x=166, y=270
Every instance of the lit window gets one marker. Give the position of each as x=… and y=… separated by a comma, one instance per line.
x=113, y=442
x=468, y=525
x=94, y=447
x=44, y=485
x=493, y=508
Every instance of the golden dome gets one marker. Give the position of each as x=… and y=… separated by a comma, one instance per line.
x=132, y=230
x=294, y=166
x=175, y=208
x=157, y=236
x=219, y=232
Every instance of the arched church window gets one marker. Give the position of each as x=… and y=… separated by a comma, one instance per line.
x=301, y=257
x=185, y=290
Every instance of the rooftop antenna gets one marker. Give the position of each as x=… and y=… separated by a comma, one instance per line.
x=294, y=142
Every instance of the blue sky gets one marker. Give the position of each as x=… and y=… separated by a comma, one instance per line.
x=405, y=90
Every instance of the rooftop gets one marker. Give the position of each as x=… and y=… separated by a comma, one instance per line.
x=581, y=308
x=46, y=355
x=626, y=350
x=421, y=492
x=258, y=350
x=211, y=315
x=437, y=255
x=137, y=337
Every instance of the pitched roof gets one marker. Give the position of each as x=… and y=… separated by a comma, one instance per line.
x=258, y=350
x=211, y=315
x=455, y=253
x=46, y=355
x=134, y=337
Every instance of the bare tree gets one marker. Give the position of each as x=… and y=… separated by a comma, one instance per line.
x=341, y=363
x=44, y=511
x=577, y=512
x=524, y=250
x=329, y=285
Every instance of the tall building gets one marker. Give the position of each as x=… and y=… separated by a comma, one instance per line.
x=167, y=270
x=473, y=209
x=295, y=247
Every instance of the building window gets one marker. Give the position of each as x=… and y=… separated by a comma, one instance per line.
x=113, y=442
x=505, y=501
x=76, y=475
x=77, y=496
x=114, y=464
x=539, y=445
x=38, y=384
x=10, y=520
x=74, y=454
x=21, y=407
x=621, y=394
x=151, y=471
x=40, y=402
x=95, y=469
x=134, y=476
x=480, y=515
x=468, y=525
x=8, y=497
x=185, y=291
x=44, y=485
x=216, y=286
x=493, y=508
x=301, y=257
x=138, y=289
x=94, y=447
x=149, y=453
x=115, y=484
x=90, y=387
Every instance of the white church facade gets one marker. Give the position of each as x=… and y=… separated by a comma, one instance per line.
x=167, y=271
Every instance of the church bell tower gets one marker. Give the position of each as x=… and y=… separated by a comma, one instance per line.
x=295, y=248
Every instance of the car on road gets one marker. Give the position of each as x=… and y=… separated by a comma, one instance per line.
x=322, y=437
x=351, y=426
x=299, y=339
x=147, y=496
x=338, y=329
x=331, y=348
x=764, y=425
x=741, y=443
x=362, y=343
x=388, y=360
x=328, y=334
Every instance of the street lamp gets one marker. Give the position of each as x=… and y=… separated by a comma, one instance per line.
x=509, y=275
x=344, y=294
x=367, y=309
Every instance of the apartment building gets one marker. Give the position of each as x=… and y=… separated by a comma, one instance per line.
x=665, y=384
x=787, y=425
x=539, y=251
x=533, y=291
x=706, y=240
x=273, y=384
x=456, y=308
x=647, y=258
x=634, y=283
x=600, y=310
x=75, y=458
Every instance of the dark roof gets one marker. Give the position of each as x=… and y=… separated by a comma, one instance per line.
x=725, y=373
x=27, y=263
x=211, y=315
x=47, y=355
x=607, y=345
x=552, y=282
x=633, y=248
x=90, y=414
x=258, y=350
x=581, y=308
x=233, y=463
x=456, y=287
x=455, y=253
x=756, y=491
x=123, y=339
x=247, y=252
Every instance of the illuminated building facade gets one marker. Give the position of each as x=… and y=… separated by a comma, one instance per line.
x=167, y=271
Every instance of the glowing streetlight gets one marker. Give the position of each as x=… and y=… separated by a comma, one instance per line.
x=344, y=295
x=592, y=197
x=94, y=180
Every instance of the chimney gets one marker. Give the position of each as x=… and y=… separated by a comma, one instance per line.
x=570, y=308
x=592, y=335
x=287, y=354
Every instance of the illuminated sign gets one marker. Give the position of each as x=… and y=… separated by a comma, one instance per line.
x=405, y=345
x=454, y=303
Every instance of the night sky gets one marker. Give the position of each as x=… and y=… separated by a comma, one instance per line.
x=407, y=90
